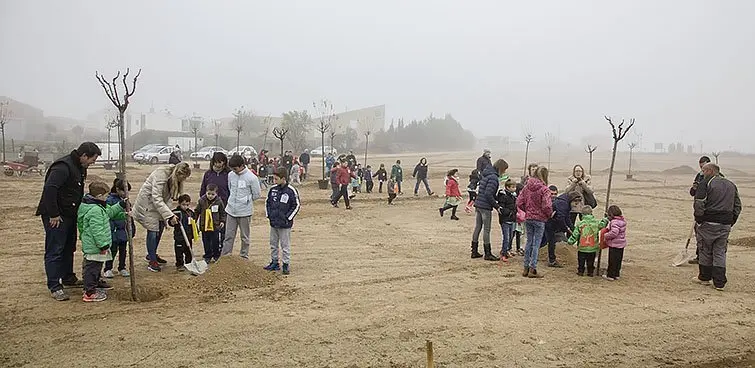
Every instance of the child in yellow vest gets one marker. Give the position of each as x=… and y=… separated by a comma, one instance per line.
x=210, y=216
x=587, y=234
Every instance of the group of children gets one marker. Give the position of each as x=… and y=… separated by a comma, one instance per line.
x=587, y=232
x=358, y=176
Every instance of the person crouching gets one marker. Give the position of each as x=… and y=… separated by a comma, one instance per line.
x=587, y=235
x=282, y=206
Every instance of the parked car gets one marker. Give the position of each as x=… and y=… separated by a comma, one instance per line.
x=319, y=150
x=205, y=153
x=143, y=149
x=245, y=151
x=157, y=155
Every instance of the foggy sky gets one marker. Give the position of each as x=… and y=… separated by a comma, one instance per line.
x=683, y=69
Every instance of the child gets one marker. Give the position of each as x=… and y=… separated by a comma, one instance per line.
x=382, y=177
x=368, y=178
x=93, y=222
x=616, y=240
x=282, y=206
x=210, y=215
x=183, y=254
x=507, y=217
x=354, y=186
x=587, y=233
x=295, y=173
x=397, y=174
x=244, y=189
x=474, y=180
x=392, y=189
x=118, y=193
x=453, y=195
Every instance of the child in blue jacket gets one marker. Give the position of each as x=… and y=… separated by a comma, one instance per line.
x=118, y=194
x=282, y=206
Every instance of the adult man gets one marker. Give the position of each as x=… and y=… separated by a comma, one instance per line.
x=351, y=160
x=288, y=160
x=717, y=208
x=692, y=190
x=305, y=159
x=483, y=161
x=59, y=205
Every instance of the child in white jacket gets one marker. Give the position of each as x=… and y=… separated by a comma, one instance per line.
x=244, y=189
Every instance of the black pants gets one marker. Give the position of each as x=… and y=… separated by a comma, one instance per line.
x=118, y=249
x=211, y=243
x=450, y=207
x=380, y=187
x=183, y=254
x=615, y=257
x=335, y=188
x=370, y=185
x=549, y=238
x=91, y=271
x=588, y=259
x=391, y=197
x=518, y=237
x=342, y=192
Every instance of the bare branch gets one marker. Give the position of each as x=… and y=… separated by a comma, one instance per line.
x=105, y=86
x=133, y=88
x=590, y=148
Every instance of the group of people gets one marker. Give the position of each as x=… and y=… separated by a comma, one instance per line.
x=103, y=218
x=265, y=166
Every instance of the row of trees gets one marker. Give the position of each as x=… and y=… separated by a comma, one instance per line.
x=429, y=134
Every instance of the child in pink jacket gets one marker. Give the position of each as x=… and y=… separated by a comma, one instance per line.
x=616, y=240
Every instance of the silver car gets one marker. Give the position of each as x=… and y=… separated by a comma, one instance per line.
x=205, y=153
x=156, y=155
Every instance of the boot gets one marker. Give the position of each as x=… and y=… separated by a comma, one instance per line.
x=489, y=254
x=475, y=250
x=534, y=275
x=526, y=272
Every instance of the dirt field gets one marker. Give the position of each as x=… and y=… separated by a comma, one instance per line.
x=370, y=286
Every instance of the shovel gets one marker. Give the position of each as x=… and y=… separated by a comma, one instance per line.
x=684, y=256
x=196, y=268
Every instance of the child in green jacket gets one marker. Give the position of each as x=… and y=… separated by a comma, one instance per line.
x=93, y=222
x=587, y=234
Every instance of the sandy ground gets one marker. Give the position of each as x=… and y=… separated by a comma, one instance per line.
x=370, y=286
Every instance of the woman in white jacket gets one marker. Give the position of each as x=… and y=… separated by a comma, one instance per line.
x=152, y=210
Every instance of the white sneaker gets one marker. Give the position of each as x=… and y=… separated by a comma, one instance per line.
x=108, y=274
x=125, y=273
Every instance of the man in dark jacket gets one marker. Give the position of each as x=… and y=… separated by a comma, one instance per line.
x=559, y=223
x=287, y=160
x=282, y=205
x=58, y=207
x=351, y=160
x=483, y=162
x=305, y=160
x=692, y=190
x=717, y=208
x=420, y=172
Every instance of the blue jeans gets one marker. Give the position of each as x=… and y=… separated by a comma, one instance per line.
x=153, y=240
x=535, y=230
x=507, y=230
x=424, y=181
x=60, y=245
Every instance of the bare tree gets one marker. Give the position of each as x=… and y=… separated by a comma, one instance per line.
x=618, y=134
x=715, y=155
x=216, y=125
x=298, y=124
x=280, y=133
x=332, y=137
x=5, y=114
x=121, y=103
x=367, y=126
x=631, y=146
x=195, y=124
x=550, y=141
x=528, y=137
x=240, y=120
x=266, y=132
x=590, y=149
x=327, y=116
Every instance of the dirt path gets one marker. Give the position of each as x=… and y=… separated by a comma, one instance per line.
x=369, y=286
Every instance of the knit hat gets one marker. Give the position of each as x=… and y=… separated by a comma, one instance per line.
x=587, y=210
x=553, y=188
x=486, y=150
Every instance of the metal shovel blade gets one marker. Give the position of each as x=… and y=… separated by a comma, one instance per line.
x=196, y=268
x=682, y=258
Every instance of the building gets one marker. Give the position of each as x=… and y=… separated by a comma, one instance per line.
x=24, y=122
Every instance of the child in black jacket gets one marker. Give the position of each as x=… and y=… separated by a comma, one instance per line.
x=183, y=254
x=507, y=216
x=382, y=177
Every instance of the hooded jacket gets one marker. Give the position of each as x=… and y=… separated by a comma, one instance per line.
x=587, y=234
x=561, y=221
x=486, y=197
x=616, y=236
x=304, y=158
x=217, y=212
x=282, y=206
x=151, y=205
x=452, y=187
x=93, y=222
x=535, y=201
x=397, y=172
x=118, y=222
x=64, y=187
x=420, y=171
x=482, y=163
x=218, y=178
x=343, y=175
x=381, y=174
x=717, y=200
x=507, y=206
x=244, y=189
x=184, y=217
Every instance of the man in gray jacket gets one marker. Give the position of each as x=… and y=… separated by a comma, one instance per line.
x=244, y=189
x=717, y=208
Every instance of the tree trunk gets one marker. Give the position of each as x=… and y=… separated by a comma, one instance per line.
x=122, y=175
x=549, y=158
x=366, y=145
x=630, y=161
x=608, y=191
x=590, y=164
x=3, y=142
x=238, y=139
x=322, y=145
x=526, y=154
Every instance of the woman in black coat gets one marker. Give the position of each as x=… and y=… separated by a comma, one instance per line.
x=420, y=172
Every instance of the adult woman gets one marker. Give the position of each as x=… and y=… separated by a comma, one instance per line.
x=218, y=175
x=535, y=201
x=420, y=172
x=484, y=205
x=531, y=168
x=580, y=182
x=151, y=209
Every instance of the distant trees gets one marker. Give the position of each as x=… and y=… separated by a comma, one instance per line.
x=299, y=126
x=429, y=134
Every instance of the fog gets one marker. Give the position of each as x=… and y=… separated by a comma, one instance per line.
x=683, y=69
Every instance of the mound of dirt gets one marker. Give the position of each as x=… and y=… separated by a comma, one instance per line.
x=232, y=274
x=734, y=172
x=743, y=242
x=565, y=254
x=680, y=170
